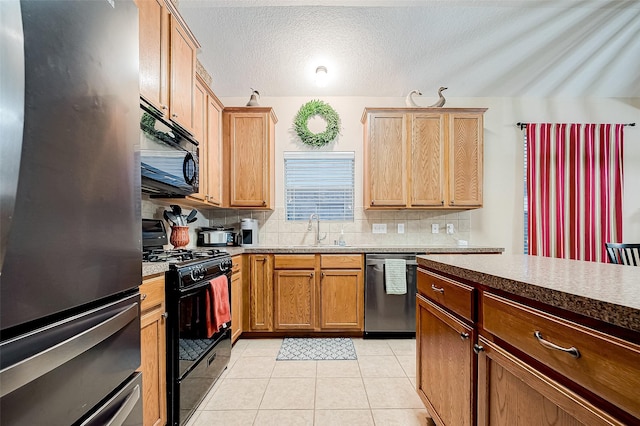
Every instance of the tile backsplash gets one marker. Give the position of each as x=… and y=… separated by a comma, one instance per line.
x=276, y=230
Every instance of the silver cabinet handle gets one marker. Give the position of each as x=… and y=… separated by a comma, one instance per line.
x=165, y=315
x=17, y=375
x=478, y=348
x=464, y=336
x=437, y=289
x=143, y=296
x=573, y=351
x=174, y=115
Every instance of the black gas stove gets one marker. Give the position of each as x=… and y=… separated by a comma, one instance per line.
x=196, y=354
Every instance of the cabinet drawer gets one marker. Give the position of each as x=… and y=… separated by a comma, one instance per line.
x=152, y=293
x=294, y=261
x=605, y=365
x=455, y=296
x=339, y=261
x=236, y=265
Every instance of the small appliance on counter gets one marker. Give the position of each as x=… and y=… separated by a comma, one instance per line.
x=218, y=236
x=249, y=232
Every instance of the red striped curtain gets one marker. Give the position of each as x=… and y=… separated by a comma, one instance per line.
x=574, y=189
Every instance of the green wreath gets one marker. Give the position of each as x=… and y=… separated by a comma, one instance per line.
x=324, y=110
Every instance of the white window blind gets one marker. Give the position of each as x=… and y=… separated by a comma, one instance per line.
x=319, y=182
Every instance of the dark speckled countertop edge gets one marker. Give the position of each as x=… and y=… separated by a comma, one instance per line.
x=613, y=313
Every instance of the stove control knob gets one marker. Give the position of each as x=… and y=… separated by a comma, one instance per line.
x=197, y=273
x=226, y=265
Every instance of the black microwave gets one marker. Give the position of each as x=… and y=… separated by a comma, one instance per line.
x=168, y=156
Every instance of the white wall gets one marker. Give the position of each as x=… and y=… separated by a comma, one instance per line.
x=500, y=221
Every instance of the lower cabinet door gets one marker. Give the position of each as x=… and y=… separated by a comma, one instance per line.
x=153, y=354
x=445, y=367
x=341, y=299
x=511, y=392
x=260, y=293
x=294, y=300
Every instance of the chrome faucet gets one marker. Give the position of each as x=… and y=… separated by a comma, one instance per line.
x=309, y=227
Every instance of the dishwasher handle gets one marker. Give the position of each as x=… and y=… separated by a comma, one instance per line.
x=374, y=262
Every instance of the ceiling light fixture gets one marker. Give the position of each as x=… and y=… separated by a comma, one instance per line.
x=321, y=76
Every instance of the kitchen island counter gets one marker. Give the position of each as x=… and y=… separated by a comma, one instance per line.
x=604, y=292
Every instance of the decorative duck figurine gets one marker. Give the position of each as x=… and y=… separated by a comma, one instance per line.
x=253, y=101
x=442, y=100
x=409, y=100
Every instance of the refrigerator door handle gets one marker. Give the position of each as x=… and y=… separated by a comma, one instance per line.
x=29, y=369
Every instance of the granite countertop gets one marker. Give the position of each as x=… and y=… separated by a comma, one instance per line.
x=610, y=293
x=155, y=268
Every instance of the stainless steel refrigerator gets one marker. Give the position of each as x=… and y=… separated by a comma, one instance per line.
x=70, y=259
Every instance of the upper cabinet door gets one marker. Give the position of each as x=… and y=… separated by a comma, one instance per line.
x=427, y=160
x=249, y=141
x=200, y=133
x=154, y=52
x=183, y=74
x=465, y=160
x=214, y=151
x=385, y=163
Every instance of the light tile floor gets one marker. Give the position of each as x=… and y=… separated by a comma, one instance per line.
x=376, y=389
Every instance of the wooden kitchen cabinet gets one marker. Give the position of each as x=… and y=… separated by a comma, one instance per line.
x=153, y=351
x=207, y=131
x=423, y=158
x=260, y=315
x=183, y=73
x=445, y=364
x=465, y=145
x=385, y=173
x=249, y=155
x=341, y=292
x=465, y=331
x=511, y=392
x=294, y=295
x=236, y=298
x=153, y=17
x=310, y=293
x=167, y=61
x=213, y=163
x=200, y=133
x=294, y=299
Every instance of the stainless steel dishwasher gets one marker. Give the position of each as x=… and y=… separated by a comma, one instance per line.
x=389, y=315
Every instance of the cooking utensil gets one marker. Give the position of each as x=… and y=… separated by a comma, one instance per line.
x=170, y=217
x=192, y=216
x=177, y=211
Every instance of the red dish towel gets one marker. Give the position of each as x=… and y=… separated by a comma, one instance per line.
x=217, y=299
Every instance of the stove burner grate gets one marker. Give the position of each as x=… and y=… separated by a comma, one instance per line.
x=180, y=255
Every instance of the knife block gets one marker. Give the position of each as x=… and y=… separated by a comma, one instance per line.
x=179, y=236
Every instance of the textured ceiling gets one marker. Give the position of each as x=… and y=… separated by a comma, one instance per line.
x=562, y=48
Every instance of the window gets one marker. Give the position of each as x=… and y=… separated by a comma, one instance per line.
x=319, y=182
